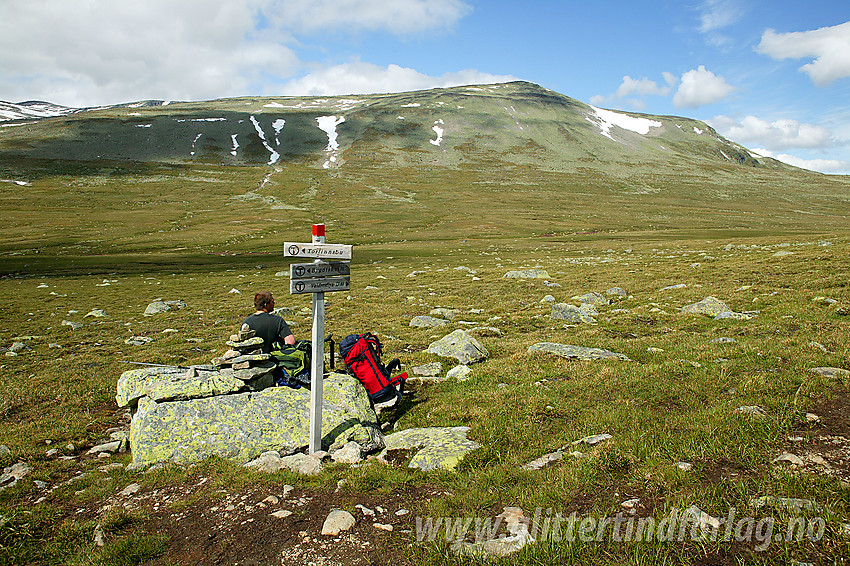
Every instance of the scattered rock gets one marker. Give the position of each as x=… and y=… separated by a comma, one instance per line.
x=703, y=519
x=138, y=340
x=440, y=447
x=710, y=306
x=578, y=352
x=337, y=522
x=428, y=370
x=592, y=298
x=351, y=453
x=517, y=525
x=424, y=321
x=271, y=462
x=592, y=440
x=383, y=527
x=783, y=253
x=833, y=373
x=751, y=411
x=73, y=325
x=109, y=447
x=544, y=461
x=723, y=340
x=528, y=274
x=98, y=536
x=672, y=287
x=792, y=459
x=131, y=489
x=449, y=314
x=616, y=293
x=684, y=466
x=460, y=372
x=4, y=451
x=548, y=299
x=281, y=514
x=784, y=503
x=459, y=345
x=733, y=316
x=159, y=306
x=570, y=313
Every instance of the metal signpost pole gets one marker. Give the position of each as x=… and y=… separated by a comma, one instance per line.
x=318, y=369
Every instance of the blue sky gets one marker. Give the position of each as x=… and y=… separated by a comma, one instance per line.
x=771, y=75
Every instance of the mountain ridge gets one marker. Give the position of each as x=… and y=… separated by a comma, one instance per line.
x=522, y=121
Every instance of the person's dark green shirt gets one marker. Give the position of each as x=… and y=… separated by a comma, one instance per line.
x=271, y=328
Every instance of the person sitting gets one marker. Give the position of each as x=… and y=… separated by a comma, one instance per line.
x=271, y=328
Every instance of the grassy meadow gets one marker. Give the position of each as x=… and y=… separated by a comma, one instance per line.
x=115, y=235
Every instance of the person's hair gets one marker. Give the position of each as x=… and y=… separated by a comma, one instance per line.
x=262, y=299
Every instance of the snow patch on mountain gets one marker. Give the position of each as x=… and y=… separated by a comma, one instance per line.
x=328, y=125
x=606, y=119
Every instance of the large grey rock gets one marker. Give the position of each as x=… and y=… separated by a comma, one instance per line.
x=424, y=321
x=570, y=313
x=159, y=306
x=447, y=313
x=173, y=383
x=592, y=298
x=710, y=306
x=527, y=274
x=242, y=426
x=577, y=352
x=459, y=345
x=440, y=447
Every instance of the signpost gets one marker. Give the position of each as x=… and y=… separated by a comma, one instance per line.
x=318, y=278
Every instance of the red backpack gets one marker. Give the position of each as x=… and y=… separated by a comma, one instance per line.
x=362, y=355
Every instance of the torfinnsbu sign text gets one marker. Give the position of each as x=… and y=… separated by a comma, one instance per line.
x=319, y=251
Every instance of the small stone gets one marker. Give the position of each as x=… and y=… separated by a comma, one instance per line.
x=630, y=503
x=792, y=459
x=812, y=418
x=337, y=522
x=281, y=514
x=73, y=325
x=52, y=452
x=351, y=453
x=106, y=447
x=460, y=372
x=752, y=411
x=271, y=500
x=366, y=511
x=723, y=340
x=595, y=439
x=428, y=370
x=653, y=350
x=96, y=313
x=130, y=490
x=98, y=536
x=401, y=512
x=383, y=527
x=684, y=466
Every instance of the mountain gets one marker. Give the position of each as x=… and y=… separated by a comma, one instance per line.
x=519, y=122
x=32, y=109
x=507, y=160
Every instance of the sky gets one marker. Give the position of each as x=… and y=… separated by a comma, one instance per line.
x=772, y=75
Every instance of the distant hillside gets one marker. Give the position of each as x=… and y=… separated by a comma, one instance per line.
x=31, y=109
x=518, y=122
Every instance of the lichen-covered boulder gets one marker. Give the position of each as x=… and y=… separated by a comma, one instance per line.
x=710, y=306
x=459, y=345
x=172, y=383
x=571, y=313
x=592, y=298
x=578, y=352
x=440, y=447
x=242, y=426
x=527, y=274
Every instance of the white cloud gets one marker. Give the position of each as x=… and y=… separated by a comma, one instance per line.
x=361, y=78
x=399, y=16
x=642, y=86
x=718, y=14
x=830, y=46
x=830, y=166
x=91, y=52
x=777, y=136
x=700, y=87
